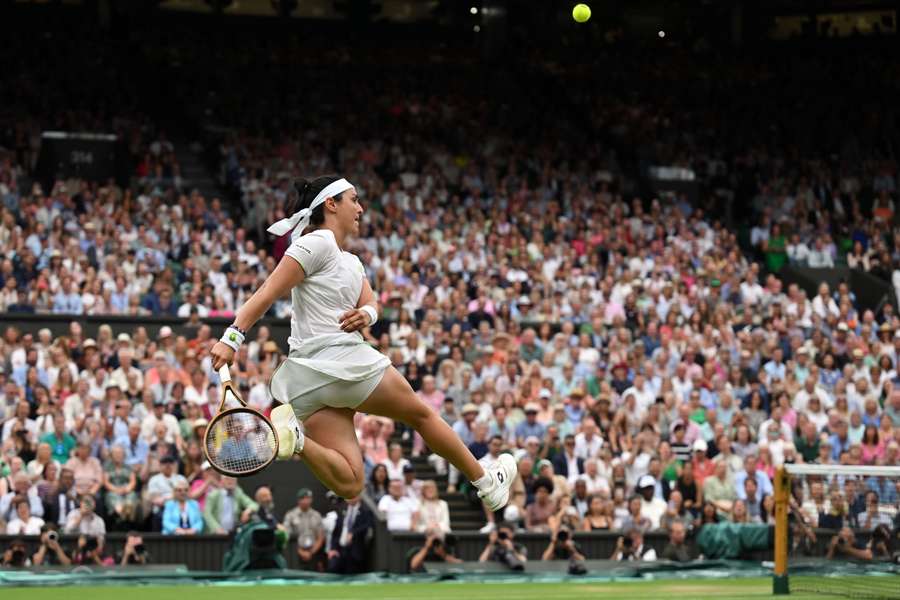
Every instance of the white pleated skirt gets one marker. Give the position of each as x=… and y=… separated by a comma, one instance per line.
x=336, y=370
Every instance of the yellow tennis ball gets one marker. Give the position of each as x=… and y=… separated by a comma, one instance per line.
x=581, y=12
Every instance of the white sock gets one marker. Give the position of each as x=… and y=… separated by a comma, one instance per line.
x=483, y=481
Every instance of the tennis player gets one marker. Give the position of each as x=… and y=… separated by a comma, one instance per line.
x=331, y=372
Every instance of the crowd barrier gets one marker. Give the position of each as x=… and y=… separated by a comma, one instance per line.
x=389, y=551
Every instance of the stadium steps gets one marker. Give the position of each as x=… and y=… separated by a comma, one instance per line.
x=464, y=516
x=194, y=171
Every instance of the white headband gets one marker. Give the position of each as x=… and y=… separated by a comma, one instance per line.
x=300, y=219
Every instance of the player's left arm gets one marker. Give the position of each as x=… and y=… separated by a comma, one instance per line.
x=357, y=319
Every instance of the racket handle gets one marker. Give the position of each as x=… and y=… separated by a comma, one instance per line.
x=224, y=374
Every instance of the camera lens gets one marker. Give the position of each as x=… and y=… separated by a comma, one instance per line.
x=52, y=536
x=562, y=536
x=502, y=535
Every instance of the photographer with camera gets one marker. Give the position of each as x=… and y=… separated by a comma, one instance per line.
x=134, y=553
x=631, y=547
x=437, y=548
x=501, y=547
x=846, y=544
x=15, y=555
x=90, y=552
x=563, y=547
x=50, y=552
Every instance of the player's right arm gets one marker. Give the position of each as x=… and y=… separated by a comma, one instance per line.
x=286, y=275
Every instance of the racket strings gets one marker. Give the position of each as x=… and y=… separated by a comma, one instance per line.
x=240, y=442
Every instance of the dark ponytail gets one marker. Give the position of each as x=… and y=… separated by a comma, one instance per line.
x=304, y=192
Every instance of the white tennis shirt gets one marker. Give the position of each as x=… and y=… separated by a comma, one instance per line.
x=332, y=286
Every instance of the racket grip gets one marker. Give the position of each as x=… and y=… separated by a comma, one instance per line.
x=224, y=374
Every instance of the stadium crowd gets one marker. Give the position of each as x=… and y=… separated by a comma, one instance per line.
x=643, y=361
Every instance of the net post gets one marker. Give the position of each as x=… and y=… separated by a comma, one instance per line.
x=782, y=499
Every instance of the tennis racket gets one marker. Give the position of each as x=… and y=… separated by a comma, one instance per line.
x=240, y=440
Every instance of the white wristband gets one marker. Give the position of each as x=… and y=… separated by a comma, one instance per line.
x=370, y=310
x=232, y=338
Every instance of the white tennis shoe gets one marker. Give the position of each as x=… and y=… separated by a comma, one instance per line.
x=288, y=430
x=502, y=473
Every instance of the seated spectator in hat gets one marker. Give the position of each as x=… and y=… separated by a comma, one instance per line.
x=227, y=507
x=160, y=489
x=181, y=515
x=465, y=427
x=202, y=486
x=304, y=523
x=23, y=523
x=652, y=506
x=530, y=426
x=703, y=466
x=85, y=521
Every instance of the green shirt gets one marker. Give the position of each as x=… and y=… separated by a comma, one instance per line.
x=61, y=448
x=809, y=451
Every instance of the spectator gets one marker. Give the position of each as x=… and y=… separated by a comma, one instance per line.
x=720, y=489
x=434, y=512
x=676, y=550
x=266, y=510
x=181, y=515
x=651, y=506
x=538, y=513
x=304, y=523
x=160, y=489
x=61, y=499
x=395, y=462
x=119, y=482
x=21, y=488
x=350, y=539
x=377, y=487
x=86, y=469
x=401, y=511
x=85, y=521
x=227, y=507
x=23, y=523
x=60, y=441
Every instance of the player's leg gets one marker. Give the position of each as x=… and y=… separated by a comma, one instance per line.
x=328, y=446
x=395, y=399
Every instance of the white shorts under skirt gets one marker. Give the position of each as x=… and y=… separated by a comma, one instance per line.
x=340, y=376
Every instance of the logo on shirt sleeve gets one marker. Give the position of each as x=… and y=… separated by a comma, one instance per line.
x=305, y=249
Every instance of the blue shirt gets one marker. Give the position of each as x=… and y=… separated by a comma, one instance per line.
x=526, y=429
x=775, y=370
x=136, y=453
x=763, y=485
x=69, y=304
